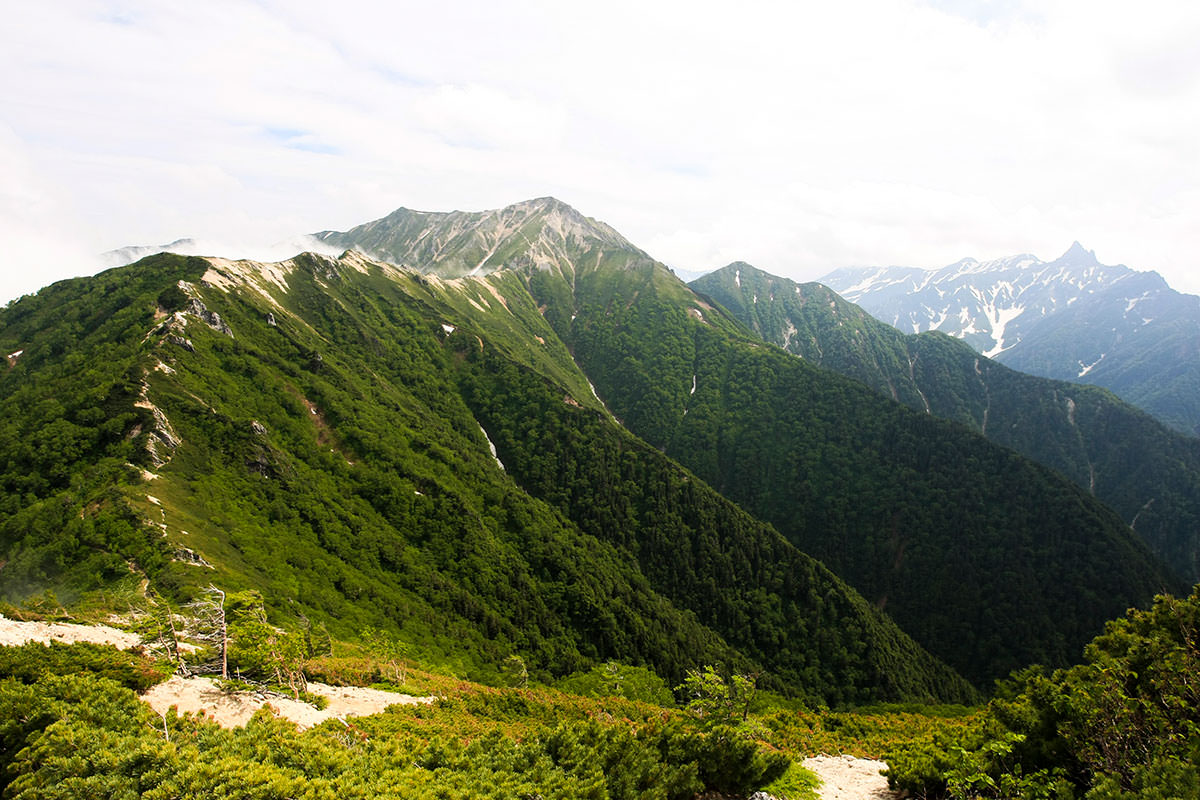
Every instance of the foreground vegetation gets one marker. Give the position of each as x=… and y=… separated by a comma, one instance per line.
x=1125, y=724
x=74, y=727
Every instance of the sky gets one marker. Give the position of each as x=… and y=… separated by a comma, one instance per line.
x=798, y=136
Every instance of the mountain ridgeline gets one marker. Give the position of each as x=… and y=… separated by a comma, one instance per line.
x=990, y=561
x=1071, y=319
x=1147, y=473
x=312, y=430
x=421, y=449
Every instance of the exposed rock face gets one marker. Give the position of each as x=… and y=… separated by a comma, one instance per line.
x=543, y=234
x=186, y=555
x=210, y=318
x=163, y=440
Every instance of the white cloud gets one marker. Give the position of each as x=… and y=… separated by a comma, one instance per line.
x=801, y=137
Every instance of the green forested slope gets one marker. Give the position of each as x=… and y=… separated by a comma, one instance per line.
x=987, y=559
x=928, y=520
x=739, y=576
x=313, y=442
x=1147, y=473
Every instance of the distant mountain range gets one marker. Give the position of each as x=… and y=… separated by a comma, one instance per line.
x=1072, y=319
x=127, y=255
x=816, y=455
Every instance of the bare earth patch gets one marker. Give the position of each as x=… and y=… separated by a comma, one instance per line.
x=232, y=709
x=850, y=778
x=229, y=709
x=14, y=632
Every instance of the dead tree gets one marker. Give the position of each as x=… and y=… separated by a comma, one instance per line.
x=208, y=616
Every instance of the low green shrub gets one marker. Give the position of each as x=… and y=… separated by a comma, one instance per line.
x=29, y=662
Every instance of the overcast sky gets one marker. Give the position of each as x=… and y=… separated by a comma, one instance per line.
x=800, y=136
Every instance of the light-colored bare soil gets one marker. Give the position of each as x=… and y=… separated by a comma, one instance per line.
x=850, y=778
x=15, y=632
x=229, y=709
x=233, y=709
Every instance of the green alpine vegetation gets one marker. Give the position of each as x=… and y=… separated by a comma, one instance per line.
x=74, y=727
x=1124, y=724
x=988, y=560
x=1144, y=471
x=311, y=431
x=532, y=457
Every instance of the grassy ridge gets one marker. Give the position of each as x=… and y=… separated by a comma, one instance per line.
x=315, y=445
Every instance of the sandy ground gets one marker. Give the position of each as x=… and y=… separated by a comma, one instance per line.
x=14, y=632
x=233, y=709
x=229, y=709
x=850, y=778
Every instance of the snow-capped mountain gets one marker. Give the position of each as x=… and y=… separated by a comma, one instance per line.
x=989, y=304
x=1072, y=319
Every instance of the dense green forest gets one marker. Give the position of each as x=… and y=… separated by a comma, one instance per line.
x=739, y=576
x=314, y=444
x=372, y=459
x=988, y=560
x=1146, y=472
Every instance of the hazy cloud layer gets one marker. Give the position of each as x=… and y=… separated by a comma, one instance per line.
x=800, y=137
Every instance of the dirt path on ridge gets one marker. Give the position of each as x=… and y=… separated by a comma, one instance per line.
x=234, y=709
x=850, y=778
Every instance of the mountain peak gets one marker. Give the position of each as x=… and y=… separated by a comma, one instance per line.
x=547, y=203
x=1076, y=253
x=543, y=233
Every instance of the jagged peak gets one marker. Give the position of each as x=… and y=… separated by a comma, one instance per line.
x=1077, y=253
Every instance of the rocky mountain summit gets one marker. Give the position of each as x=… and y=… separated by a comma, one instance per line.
x=544, y=233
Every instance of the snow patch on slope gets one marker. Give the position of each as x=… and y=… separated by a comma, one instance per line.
x=1084, y=369
x=1001, y=317
x=492, y=447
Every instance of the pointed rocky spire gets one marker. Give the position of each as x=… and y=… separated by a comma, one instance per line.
x=1077, y=254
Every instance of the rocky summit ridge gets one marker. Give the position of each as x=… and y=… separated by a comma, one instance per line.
x=544, y=233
